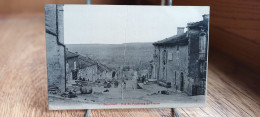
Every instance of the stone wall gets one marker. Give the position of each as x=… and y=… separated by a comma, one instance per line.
x=89, y=73
x=55, y=48
x=194, y=53
x=176, y=66
x=196, y=58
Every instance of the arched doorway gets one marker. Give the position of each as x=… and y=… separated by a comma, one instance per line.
x=182, y=82
x=113, y=74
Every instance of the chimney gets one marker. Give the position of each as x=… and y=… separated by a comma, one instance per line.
x=180, y=30
x=205, y=17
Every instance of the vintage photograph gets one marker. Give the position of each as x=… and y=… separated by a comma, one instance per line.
x=112, y=56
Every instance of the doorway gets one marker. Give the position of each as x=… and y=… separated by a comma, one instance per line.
x=74, y=74
x=182, y=82
x=113, y=74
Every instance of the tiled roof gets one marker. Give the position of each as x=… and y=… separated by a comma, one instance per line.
x=182, y=39
x=87, y=62
x=103, y=67
x=174, y=40
x=203, y=23
x=70, y=54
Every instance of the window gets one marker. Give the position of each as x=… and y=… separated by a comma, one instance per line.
x=164, y=57
x=202, y=42
x=170, y=56
x=75, y=65
x=178, y=47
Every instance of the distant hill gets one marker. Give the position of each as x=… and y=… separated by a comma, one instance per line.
x=112, y=55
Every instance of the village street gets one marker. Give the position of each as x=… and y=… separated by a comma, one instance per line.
x=128, y=93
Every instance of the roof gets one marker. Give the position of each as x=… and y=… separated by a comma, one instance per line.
x=182, y=39
x=70, y=54
x=85, y=61
x=200, y=24
x=103, y=67
x=174, y=40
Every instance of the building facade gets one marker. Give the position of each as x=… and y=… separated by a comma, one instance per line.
x=55, y=48
x=180, y=61
x=80, y=67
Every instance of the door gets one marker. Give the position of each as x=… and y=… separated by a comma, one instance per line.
x=113, y=74
x=182, y=82
x=74, y=74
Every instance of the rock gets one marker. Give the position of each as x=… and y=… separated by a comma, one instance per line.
x=72, y=95
x=86, y=90
x=165, y=92
x=106, y=90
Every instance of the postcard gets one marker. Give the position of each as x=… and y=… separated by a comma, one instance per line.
x=122, y=56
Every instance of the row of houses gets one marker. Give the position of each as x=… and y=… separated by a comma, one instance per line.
x=181, y=60
x=79, y=67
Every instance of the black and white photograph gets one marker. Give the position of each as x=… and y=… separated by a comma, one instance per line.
x=122, y=56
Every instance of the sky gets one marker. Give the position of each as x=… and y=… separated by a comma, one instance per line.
x=117, y=24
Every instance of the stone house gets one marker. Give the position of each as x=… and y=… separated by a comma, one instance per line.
x=55, y=48
x=105, y=72
x=88, y=68
x=181, y=60
x=83, y=67
x=80, y=67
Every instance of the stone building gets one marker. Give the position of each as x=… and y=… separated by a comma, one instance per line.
x=88, y=68
x=83, y=67
x=80, y=67
x=71, y=65
x=105, y=72
x=180, y=61
x=55, y=48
